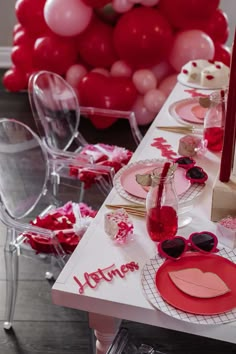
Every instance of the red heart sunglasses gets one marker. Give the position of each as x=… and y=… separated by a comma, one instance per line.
x=204, y=242
x=194, y=174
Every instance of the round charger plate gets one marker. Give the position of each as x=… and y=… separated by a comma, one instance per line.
x=216, y=311
x=182, y=80
x=127, y=187
x=188, y=111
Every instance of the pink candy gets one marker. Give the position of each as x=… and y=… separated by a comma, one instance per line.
x=226, y=231
x=118, y=225
x=229, y=222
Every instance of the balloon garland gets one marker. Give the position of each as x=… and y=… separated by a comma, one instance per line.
x=123, y=54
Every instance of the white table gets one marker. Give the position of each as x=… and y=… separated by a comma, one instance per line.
x=124, y=298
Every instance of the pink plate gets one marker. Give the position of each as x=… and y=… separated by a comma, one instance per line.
x=188, y=110
x=221, y=266
x=128, y=180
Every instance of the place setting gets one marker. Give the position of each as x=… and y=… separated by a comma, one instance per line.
x=188, y=188
x=192, y=280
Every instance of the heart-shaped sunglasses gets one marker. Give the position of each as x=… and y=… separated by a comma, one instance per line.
x=204, y=242
x=194, y=174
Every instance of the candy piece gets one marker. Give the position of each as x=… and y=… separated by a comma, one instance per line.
x=189, y=145
x=118, y=225
x=226, y=231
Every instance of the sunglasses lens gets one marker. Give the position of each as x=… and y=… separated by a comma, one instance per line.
x=204, y=241
x=195, y=173
x=173, y=248
x=184, y=160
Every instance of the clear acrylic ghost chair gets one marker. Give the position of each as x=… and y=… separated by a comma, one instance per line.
x=56, y=111
x=24, y=188
x=50, y=95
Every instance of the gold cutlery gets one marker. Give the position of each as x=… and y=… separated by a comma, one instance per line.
x=133, y=209
x=182, y=129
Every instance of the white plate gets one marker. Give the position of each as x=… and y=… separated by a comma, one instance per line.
x=185, y=198
x=182, y=80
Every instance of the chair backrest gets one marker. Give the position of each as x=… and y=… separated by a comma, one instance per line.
x=24, y=168
x=55, y=108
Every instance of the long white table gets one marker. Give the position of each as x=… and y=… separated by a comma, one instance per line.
x=124, y=298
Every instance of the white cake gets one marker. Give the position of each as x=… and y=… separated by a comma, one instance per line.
x=206, y=73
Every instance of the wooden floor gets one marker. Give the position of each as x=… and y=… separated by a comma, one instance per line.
x=43, y=328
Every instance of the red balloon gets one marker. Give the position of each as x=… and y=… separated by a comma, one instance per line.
x=95, y=44
x=97, y=90
x=22, y=37
x=217, y=26
x=185, y=14
x=54, y=53
x=222, y=53
x=30, y=14
x=142, y=37
x=17, y=27
x=15, y=80
x=22, y=57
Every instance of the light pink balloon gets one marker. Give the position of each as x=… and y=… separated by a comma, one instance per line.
x=162, y=70
x=167, y=84
x=144, y=80
x=149, y=2
x=75, y=73
x=143, y=116
x=67, y=18
x=121, y=6
x=153, y=100
x=120, y=68
x=189, y=45
x=102, y=71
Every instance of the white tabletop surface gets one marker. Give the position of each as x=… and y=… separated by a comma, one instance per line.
x=124, y=298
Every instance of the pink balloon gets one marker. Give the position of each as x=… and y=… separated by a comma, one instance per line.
x=67, y=18
x=189, y=45
x=75, y=73
x=121, y=6
x=162, y=70
x=153, y=100
x=102, y=71
x=144, y=80
x=120, y=68
x=167, y=85
x=143, y=116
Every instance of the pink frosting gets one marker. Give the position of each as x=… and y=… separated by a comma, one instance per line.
x=229, y=222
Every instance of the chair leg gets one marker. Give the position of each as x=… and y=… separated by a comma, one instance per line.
x=49, y=275
x=12, y=270
x=55, y=181
x=81, y=195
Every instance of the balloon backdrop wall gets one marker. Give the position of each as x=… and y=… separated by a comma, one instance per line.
x=123, y=54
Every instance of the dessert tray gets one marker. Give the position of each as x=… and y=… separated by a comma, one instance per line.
x=164, y=296
x=127, y=187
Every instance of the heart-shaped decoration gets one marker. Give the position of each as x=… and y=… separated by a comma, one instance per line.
x=195, y=282
x=97, y=90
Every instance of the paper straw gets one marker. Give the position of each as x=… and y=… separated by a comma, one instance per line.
x=229, y=134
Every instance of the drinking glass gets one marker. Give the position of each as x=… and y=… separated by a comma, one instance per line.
x=215, y=120
x=162, y=206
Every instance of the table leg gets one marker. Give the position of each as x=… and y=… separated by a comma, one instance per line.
x=105, y=329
